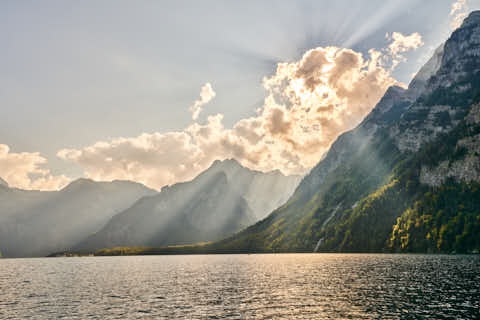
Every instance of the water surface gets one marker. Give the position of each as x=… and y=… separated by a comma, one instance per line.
x=271, y=286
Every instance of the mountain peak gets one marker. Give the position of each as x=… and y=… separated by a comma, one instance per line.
x=462, y=48
x=79, y=183
x=232, y=166
x=3, y=183
x=129, y=182
x=227, y=163
x=85, y=183
x=431, y=67
x=473, y=18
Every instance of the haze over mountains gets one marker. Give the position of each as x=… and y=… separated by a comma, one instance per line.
x=264, y=192
x=87, y=214
x=35, y=223
x=222, y=200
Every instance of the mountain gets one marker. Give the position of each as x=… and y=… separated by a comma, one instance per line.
x=3, y=183
x=263, y=191
x=222, y=200
x=206, y=208
x=406, y=179
x=13, y=201
x=36, y=223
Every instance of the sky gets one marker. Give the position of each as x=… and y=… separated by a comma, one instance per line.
x=155, y=91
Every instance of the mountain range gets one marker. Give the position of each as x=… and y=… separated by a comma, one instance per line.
x=222, y=200
x=86, y=214
x=36, y=223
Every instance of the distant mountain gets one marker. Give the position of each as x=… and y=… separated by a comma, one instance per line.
x=3, y=183
x=407, y=179
x=13, y=201
x=222, y=200
x=36, y=223
x=206, y=208
x=264, y=191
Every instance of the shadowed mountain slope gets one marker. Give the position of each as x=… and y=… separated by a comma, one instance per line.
x=36, y=223
x=206, y=208
x=222, y=200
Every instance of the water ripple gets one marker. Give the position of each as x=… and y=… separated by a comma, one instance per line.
x=300, y=286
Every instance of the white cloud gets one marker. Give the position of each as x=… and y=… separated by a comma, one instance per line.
x=206, y=95
x=153, y=159
x=308, y=104
x=401, y=44
x=24, y=170
x=458, y=12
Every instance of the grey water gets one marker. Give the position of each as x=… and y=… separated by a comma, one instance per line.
x=263, y=286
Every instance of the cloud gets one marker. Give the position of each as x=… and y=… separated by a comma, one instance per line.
x=24, y=170
x=153, y=159
x=206, y=95
x=308, y=103
x=458, y=12
x=401, y=44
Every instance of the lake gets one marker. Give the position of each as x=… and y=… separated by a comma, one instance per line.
x=263, y=286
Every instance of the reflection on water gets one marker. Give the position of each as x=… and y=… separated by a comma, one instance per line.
x=300, y=286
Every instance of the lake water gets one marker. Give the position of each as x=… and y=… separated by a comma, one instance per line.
x=270, y=286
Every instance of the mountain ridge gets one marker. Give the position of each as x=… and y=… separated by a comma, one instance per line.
x=221, y=200
x=203, y=209
x=36, y=223
x=3, y=183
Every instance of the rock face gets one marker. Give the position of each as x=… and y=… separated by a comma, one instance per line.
x=418, y=84
x=36, y=223
x=467, y=170
x=448, y=92
x=467, y=167
x=403, y=153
